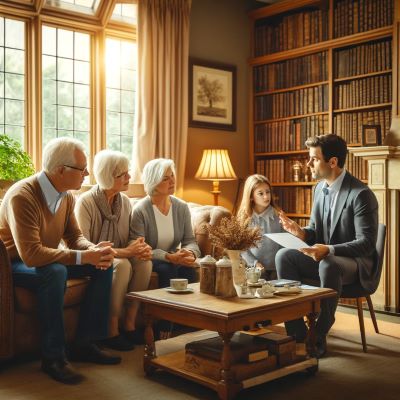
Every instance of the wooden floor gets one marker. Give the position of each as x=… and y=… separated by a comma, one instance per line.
x=346, y=374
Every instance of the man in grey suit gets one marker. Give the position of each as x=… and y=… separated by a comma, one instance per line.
x=342, y=234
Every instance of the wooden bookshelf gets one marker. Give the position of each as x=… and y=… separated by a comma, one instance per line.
x=317, y=67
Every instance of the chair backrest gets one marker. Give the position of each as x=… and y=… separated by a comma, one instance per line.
x=380, y=245
x=354, y=290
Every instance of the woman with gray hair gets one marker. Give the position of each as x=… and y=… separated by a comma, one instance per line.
x=164, y=222
x=104, y=213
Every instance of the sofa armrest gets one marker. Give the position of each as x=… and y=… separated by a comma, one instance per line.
x=6, y=305
x=203, y=216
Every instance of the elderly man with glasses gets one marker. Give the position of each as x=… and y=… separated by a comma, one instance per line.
x=36, y=214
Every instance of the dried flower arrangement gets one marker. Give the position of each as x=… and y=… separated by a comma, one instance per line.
x=234, y=234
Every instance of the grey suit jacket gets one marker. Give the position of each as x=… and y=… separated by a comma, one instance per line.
x=144, y=224
x=354, y=227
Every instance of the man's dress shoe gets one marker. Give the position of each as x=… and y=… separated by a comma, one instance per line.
x=320, y=346
x=62, y=371
x=94, y=354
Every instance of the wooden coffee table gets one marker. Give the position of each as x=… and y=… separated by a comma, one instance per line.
x=225, y=316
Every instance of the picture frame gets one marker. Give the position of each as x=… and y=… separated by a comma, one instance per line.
x=212, y=95
x=371, y=135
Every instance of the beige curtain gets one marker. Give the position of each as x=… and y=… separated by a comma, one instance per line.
x=162, y=106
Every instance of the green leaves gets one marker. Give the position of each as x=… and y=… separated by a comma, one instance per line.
x=15, y=163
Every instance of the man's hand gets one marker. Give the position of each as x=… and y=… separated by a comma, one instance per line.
x=182, y=257
x=291, y=226
x=101, y=257
x=316, y=252
x=259, y=265
x=140, y=249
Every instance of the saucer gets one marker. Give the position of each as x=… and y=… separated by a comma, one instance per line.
x=288, y=292
x=181, y=291
x=256, y=284
x=265, y=295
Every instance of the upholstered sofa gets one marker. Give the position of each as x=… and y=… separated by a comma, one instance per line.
x=19, y=325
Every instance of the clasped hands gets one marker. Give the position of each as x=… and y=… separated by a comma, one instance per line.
x=140, y=249
x=182, y=257
x=316, y=252
x=101, y=255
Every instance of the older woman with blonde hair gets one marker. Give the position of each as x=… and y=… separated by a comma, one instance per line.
x=104, y=213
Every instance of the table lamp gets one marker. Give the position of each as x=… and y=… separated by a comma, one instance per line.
x=215, y=166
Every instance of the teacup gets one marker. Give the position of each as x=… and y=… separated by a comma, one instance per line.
x=253, y=275
x=178, y=283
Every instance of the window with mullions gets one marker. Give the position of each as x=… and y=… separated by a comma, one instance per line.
x=65, y=85
x=120, y=100
x=12, y=78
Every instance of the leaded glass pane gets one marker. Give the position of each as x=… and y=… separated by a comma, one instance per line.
x=81, y=96
x=14, y=110
x=65, y=118
x=14, y=86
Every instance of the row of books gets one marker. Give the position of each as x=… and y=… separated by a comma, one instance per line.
x=293, y=72
x=353, y=16
x=290, y=31
x=284, y=170
x=297, y=102
x=363, y=92
x=288, y=135
x=296, y=200
x=363, y=59
x=357, y=166
x=302, y=221
x=350, y=125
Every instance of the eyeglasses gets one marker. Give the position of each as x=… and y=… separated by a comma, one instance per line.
x=83, y=170
x=124, y=174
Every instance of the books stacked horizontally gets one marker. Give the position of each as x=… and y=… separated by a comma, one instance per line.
x=251, y=355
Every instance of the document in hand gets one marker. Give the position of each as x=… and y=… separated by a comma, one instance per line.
x=287, y=240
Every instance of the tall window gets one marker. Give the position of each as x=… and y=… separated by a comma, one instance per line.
x=120, y=98
x=12, y=78
x=66, y=84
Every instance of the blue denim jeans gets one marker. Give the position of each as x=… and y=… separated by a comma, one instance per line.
x=49, y=283
x=167, y=271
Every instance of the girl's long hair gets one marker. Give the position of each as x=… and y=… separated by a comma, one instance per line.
x=246, y=206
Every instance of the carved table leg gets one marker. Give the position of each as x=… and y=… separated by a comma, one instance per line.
x=311, y=337
x=149, y=347
x=227, y=387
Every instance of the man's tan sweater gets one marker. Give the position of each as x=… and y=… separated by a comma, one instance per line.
x=31, y=232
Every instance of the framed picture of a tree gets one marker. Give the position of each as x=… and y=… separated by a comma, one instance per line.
x=212, y=95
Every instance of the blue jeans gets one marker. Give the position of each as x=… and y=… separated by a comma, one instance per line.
x=167, y=271
x=49, y=283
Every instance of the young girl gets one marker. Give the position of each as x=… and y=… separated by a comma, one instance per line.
x=258, y=204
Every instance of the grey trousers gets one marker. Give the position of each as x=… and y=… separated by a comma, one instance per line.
x=332, y=272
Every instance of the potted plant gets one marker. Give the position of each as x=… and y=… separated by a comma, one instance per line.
x=235, y=235
x=15, y=163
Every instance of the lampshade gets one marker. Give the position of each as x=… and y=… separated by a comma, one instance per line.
x=215, y=165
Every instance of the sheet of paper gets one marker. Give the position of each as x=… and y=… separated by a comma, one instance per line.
x=287, y=240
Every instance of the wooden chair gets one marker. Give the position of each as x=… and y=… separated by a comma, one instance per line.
x=357, y=292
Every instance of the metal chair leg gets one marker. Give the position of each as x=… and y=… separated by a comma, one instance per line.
x=372, y=312
x=361, y=321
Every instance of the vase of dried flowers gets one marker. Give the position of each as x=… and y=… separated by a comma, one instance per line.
x=235, y=235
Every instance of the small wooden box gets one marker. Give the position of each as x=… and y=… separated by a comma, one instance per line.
x=212, y=368
x=284, y=347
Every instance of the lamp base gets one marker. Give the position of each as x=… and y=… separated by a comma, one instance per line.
x=216, y=192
